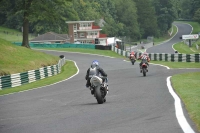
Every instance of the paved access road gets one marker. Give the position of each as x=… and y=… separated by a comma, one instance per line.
x=135, y=104
x=166, y=47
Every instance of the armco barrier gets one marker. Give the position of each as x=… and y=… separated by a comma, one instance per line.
x=163, y=56
x=18, y=79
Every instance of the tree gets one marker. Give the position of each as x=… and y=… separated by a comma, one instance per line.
x=195, y=5
x=197, y=16
x=146, y=18
x=34, y=10
x=126, y=13
x=166, y=13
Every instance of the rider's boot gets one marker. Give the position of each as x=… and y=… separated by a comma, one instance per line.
x=92, y=91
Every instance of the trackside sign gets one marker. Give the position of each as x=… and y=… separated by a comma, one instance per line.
x=192, y=36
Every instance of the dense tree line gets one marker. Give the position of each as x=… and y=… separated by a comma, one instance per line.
x=134, y=18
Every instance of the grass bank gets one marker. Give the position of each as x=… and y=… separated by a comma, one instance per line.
x=166, y=36
x=184, y=48
x=12, y=35
x=17, y=59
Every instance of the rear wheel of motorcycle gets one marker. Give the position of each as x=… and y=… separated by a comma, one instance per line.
x=98, y=94
x=132, y=61
x=144, y=71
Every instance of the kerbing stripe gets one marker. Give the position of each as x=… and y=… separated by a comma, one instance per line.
x=178, y=109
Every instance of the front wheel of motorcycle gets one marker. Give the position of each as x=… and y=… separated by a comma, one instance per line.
x=98, y=94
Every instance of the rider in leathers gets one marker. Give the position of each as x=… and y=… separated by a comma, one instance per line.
x=132, y=55
x=144, y=59
x=97, y=72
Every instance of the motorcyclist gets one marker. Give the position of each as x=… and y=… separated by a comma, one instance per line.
x=95, y=69
x=132, y=55
x=144, y=59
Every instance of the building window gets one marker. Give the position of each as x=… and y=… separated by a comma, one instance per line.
x=85, y=24
x=75, y=27
x=93, y=33
x=75, y=35
x=82, y=34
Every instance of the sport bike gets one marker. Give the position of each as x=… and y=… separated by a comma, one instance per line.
x=144, y=69
x=132, y=59
x=99, y=88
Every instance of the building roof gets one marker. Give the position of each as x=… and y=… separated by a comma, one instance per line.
x=50, y=36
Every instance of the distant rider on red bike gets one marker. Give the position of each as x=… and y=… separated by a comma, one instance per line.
x=144, y=59
x=132, y=55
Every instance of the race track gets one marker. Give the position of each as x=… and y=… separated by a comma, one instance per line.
x=135, y=104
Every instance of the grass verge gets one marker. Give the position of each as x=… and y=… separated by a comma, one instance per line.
x=178, y=64
x=184, y=48
x=188, y=88
x=89, y=51
x=165, y=37
x=68, y=70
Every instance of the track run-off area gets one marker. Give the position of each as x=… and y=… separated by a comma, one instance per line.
x=135, y=104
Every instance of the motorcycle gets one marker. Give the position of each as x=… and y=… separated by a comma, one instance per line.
x=99, y=88
x=144, y=69
x=133, y=59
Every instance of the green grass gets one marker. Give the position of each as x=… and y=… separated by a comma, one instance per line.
x=68, y=70
x=165, y=37
x=184, y=48
x=188, y=88
x=12, y=35
x=178, y=64
x=91, y=51
x=16, y=59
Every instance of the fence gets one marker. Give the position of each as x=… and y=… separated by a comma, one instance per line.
x=58, y=45
x=164, y=56
x=66, y=45
x=30, y=76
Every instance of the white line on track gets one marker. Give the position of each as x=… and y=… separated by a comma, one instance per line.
x=153, y=64
x=179, y=111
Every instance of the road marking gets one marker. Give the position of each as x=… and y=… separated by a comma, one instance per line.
x=178, y=109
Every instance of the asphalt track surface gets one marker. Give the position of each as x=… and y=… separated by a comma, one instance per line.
x=135, y=104
x=167, y=47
